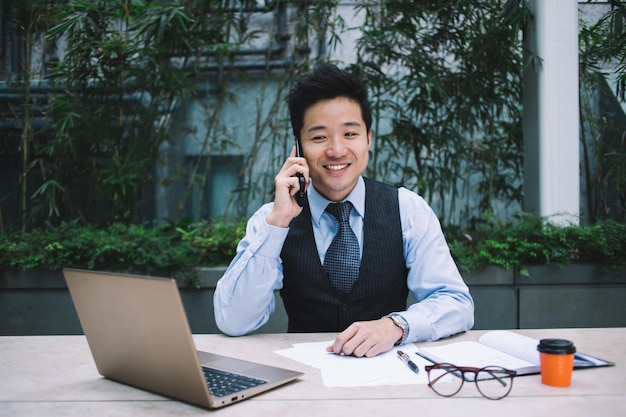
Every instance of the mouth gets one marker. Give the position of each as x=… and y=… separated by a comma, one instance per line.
x=336, y=167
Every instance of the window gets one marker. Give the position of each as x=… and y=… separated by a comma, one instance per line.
x=212, y=193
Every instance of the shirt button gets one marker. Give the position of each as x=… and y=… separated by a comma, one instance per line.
x=344, y=307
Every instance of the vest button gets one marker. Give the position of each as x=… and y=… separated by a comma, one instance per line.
x=344, y=307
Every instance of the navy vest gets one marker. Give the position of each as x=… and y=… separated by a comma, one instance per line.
x=312, y=303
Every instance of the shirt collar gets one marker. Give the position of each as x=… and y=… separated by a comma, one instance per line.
x=318, y=204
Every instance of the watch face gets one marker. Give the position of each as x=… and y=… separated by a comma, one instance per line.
x=400, y=322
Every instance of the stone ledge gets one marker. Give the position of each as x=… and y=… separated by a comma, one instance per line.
x=47, y=279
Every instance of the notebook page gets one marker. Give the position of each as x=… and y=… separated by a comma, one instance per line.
x=515, y=344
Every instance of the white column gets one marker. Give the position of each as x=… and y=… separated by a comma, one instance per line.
x=551, y=118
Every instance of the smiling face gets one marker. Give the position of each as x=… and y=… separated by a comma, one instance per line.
x=335, y=143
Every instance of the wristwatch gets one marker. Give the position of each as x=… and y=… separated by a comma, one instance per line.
x=401, y=322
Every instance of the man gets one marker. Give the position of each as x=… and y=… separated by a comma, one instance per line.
x=290, y=248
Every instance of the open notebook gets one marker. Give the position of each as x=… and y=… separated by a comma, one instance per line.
x=138, y=334
x=503, y=348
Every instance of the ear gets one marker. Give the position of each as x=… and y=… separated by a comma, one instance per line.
x=369, y=139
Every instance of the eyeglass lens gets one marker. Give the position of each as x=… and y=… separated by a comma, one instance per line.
x=493, y=382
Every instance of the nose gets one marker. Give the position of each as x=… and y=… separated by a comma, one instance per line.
x=336, y=147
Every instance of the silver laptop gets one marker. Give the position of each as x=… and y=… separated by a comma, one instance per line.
x=138, y=333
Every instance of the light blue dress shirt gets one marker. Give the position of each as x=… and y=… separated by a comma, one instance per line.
x=244, y=297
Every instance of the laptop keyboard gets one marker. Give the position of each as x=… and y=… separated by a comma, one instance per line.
x=223, y=383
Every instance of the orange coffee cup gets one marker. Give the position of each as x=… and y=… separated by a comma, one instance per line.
x=557, y=361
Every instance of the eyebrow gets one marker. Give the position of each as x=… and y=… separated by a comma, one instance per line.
x=322, y=127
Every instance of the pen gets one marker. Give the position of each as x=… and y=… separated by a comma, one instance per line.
x=405, y=358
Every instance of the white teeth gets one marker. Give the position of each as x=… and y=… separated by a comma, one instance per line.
x=336, y=167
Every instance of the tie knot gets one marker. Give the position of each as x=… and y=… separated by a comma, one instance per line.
x=341, y=211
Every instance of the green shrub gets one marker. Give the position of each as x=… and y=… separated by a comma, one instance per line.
x=178, y=250
x=164, y=250
x=533, y=240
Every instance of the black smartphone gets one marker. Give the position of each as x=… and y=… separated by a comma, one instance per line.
x=301, y=195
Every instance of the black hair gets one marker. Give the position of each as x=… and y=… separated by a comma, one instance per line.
x=326, y=82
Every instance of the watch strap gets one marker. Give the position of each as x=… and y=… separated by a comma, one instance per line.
x=401, y=322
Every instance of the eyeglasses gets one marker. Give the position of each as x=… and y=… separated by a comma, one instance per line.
x=493, y=382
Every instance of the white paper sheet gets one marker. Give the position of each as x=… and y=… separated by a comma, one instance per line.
x=350, y=371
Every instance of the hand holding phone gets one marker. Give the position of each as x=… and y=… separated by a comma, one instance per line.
x=301, y=195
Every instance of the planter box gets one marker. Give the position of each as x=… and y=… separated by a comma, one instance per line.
x=38, y=302
x=571, y=296
x=495, y=298
x=576, y=295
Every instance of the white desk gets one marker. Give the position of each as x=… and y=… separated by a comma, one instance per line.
x=55, y=375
